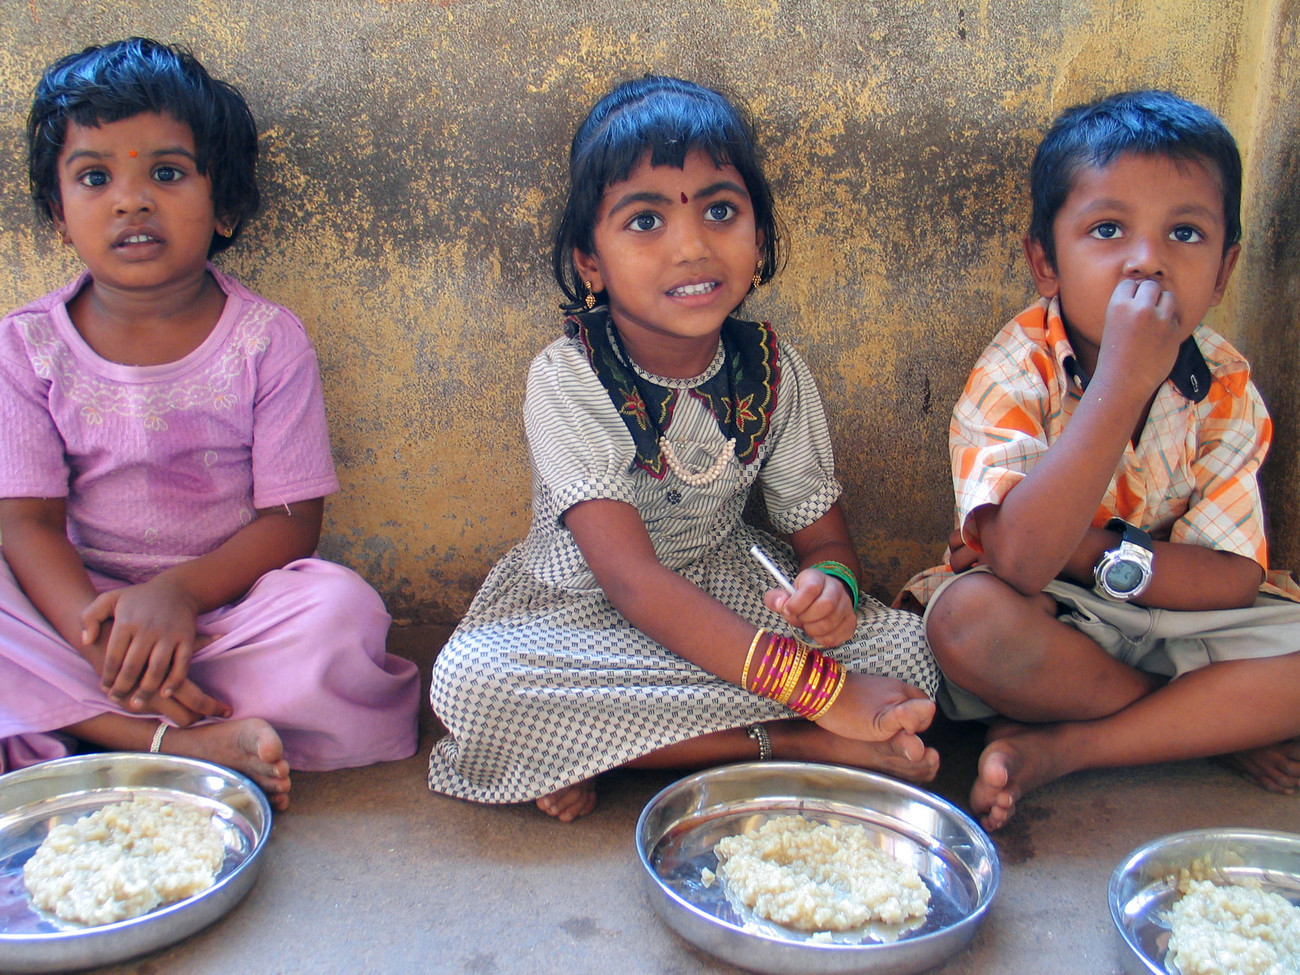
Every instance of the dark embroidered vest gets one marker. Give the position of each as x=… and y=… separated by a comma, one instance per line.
x=741, y=394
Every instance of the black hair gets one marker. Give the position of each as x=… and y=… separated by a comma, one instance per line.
x=666, y=118
x=1142, y=122
x=127, y=78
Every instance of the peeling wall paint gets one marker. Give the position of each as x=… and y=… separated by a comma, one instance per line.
x=413, y=158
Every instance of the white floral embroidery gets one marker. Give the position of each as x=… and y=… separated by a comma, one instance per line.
x=212, y=387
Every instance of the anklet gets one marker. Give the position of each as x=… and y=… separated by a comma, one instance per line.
x=156, y=744
x=759, y=733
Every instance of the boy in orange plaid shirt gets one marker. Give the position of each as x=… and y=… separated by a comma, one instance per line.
x=1105, y=591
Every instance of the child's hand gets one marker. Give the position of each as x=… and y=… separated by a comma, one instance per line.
x=873, y=708
x=187, y=705
x=960, y=555
x=1142, y=334
x=821, y=606
x=149, y=643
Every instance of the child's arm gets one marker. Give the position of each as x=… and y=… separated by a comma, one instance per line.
x=659, y=602
x=153, y=630
x=1042, y=529
x=52, y=576
x=682, y=617
x=1185, y=576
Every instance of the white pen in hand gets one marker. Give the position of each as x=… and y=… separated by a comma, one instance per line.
x=761, y=557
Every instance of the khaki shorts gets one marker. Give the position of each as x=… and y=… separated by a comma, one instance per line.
x=1158, y=641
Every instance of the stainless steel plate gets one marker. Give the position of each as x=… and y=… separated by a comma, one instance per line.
x=679, y=827
x=33, y=800
x=1144, y=886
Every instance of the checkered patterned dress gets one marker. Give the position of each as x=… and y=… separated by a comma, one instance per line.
x=544, y=683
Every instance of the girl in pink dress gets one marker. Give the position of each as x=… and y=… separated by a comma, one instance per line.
x=164, y=459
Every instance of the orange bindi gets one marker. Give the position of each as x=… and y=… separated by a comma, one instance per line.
x=132, y=153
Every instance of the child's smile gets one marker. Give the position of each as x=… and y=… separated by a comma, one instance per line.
x=133, y=204
x=675, y=251
x=1139, y=218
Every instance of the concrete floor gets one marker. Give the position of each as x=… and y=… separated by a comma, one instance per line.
x=370, y=872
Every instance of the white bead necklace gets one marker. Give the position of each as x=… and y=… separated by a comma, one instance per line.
x=697, y=478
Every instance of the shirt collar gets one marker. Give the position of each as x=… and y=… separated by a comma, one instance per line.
x=1190, y=375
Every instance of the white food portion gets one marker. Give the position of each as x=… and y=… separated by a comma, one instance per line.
x=819, y=877
x=1231, y=930
x=124, y=860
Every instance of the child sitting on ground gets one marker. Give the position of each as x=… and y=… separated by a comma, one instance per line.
x=164, y=459
x=632, y=626
x=1105, y=587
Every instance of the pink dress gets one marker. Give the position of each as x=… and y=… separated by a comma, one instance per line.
x=160, y=464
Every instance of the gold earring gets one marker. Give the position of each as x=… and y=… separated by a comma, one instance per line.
x=590, y=300
x=758, y=274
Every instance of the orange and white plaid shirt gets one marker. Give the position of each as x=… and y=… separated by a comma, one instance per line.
x=1191, y=478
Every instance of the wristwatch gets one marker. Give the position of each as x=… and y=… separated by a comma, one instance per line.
x=1123, y=573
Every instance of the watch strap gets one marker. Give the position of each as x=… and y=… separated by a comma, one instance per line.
x=1130, y=533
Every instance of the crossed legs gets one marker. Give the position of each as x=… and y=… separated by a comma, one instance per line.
x=1072, y=706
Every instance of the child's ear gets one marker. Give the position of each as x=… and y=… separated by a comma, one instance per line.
x=1225, y=273
x=589, y=267
x=225, y=226
x=60, y=225
x=1041, y=268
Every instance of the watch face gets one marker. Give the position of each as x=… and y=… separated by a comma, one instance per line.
x=1124, y=576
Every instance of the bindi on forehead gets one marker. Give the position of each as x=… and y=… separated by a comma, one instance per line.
x=684, y=200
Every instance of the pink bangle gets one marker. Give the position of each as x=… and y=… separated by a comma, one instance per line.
x=796, y=671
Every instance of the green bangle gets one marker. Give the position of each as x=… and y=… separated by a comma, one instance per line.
x=843, y=573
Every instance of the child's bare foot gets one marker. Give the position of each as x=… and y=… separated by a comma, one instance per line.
x=1016, y=760
x=247, y=745
x=903, y=756
x=569, y=803
x=1275, y=767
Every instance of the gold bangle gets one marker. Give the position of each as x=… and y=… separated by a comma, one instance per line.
x=792, y=679
x=844, y=676
x=744, y=674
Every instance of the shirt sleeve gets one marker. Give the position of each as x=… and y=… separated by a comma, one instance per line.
x=1225, y=511
x=291, y=447
x=32, y=456
x=999, y=427
x=579, y=448
x=798, y=476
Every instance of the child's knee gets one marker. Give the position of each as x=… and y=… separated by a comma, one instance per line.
x=964, y=623
x=341, y=599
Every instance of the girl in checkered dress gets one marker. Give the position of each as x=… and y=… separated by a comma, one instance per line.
x=632, y=626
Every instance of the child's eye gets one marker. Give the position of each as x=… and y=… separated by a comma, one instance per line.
x=1187, y=235
x=645, y=221
x=720, y=211
x=93, y=177
x=1106, y=231
x=167, y=174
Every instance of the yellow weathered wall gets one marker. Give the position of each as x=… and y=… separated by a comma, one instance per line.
x=414, y=156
